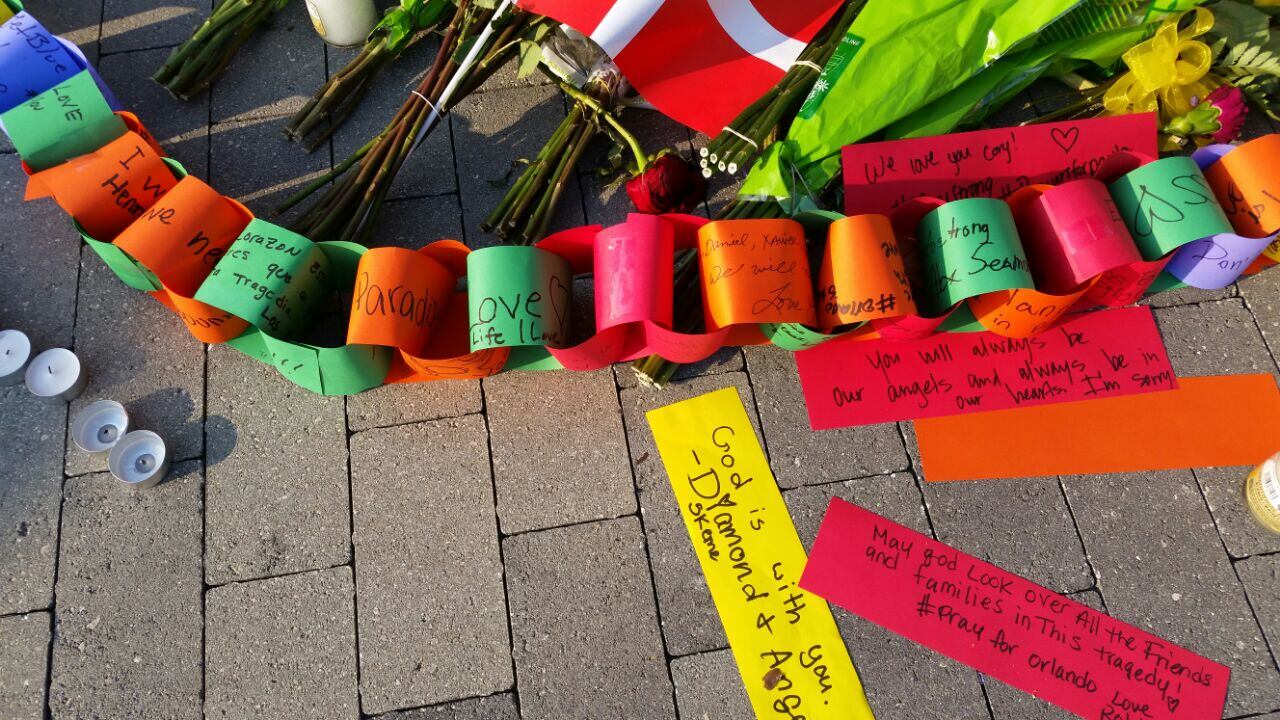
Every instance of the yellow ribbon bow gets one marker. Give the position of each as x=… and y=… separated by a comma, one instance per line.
x=1167, y=71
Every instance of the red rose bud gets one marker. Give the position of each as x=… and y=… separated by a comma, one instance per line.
x=669, y=184
x=1218, y=118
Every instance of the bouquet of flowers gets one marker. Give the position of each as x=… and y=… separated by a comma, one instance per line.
x=477, y=41
x=961, y=83
x=1195, y=72
x=193, y=66
x=330, y=106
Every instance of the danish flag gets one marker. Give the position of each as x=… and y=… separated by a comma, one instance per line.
x=700, y=62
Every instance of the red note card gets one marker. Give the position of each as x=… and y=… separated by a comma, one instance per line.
x=1005, y=626
x=987, y=163
x=1093, y=355
x=1160, y=431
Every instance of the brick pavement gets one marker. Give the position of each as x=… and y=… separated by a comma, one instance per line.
x=508, y=548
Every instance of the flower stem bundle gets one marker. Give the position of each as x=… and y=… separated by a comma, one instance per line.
x=746, y=137
x=349, y=209
x=523, y=215
x=193, y=66
x=334, y=102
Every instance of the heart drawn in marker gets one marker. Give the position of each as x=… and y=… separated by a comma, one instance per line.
x=561, y=295
x=1065, y=139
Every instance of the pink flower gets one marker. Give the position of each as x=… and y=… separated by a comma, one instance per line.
x=1229, y=100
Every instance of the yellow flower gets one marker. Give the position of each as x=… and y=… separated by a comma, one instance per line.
x=1168, y=72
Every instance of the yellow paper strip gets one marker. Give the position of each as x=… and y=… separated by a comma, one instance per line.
x=5, y=12
x=785, y=641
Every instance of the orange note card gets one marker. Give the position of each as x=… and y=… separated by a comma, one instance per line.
x=1207, y=421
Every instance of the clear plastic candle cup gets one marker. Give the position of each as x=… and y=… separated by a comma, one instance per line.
x=99, y=426
x=140, y=459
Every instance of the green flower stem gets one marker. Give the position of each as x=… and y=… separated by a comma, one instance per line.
x=177, y=57
x=519, y=196
x=193, y=66
x=541, y=219
x=336, y=91
x=637, y=151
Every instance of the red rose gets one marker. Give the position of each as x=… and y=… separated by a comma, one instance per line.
x=668, y=185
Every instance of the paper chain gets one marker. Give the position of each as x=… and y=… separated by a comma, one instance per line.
x=1010, y=266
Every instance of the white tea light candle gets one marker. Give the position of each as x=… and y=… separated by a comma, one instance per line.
x=343, y=23
x=99, y=426
x=56, y=374
x=140, y=459
x=15, y=353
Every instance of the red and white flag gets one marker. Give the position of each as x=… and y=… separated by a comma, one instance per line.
x=700, y=62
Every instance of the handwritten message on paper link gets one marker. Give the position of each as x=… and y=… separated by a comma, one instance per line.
x=1005, y=626
x=784, y=640
x=1100, y=354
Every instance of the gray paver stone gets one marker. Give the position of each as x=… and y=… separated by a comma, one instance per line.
x=493, y=707
x=1217, y=338
x=430, y=170
x=991, y=519
x=1261, y=578
x=1223, y=489
x=584, y=626
x=1009, y=703
x=127, y=627
x=277, y=476
x=142, y=356
x=709, y=687
x=559, y=450
x=41, y=263
x=432, y=609
x=282, y=648
x=24, y=661
x=30, y=498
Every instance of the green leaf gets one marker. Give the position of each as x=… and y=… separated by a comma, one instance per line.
x=1240, y=23
x=530, y=55
x=1246, y=54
